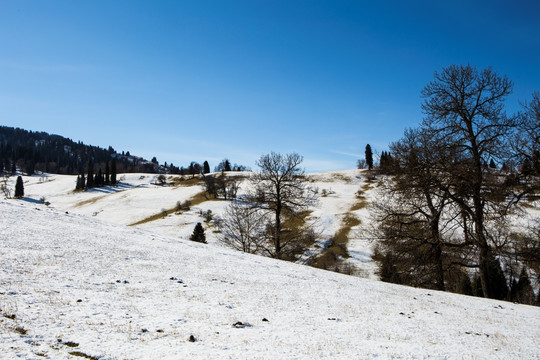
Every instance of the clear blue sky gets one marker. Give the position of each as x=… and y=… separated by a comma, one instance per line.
x=204, y=80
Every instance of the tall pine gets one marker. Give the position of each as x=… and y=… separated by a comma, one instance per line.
x=198, y=234
x=369, y=157
x=19, y=188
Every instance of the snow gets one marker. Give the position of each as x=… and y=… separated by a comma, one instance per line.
x=138, y=197
x=73, y=282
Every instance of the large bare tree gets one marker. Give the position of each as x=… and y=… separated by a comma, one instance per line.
x=281, y=190
x=465, y=115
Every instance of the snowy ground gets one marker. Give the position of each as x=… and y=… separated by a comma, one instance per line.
x=138, y=196
x=75, y=284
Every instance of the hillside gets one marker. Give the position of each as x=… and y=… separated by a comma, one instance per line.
x=79, y=285
x=139, y=200
x=31, y=151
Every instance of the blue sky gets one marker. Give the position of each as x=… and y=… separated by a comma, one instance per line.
x=204, y=80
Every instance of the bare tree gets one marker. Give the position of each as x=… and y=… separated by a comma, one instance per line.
x=242, y=227
x=409, y=218
x=281, y=190
x=465, y=116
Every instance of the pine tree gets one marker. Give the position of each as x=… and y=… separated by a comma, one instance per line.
x=497, y=279
x=492, y=164
x=227, y=165
x=90, y=178
x=198, y=234
x=107, y=173
x=19, y=188
x=466, y=285
x=206, y=167
x=369, y=157
x=113, y=171
x=524, y=293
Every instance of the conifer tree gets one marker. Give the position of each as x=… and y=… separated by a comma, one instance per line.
x=113, y=171
x=369, y=157
x=19, y=188
x=107, y=173
x=198, y=234
x=465, y=285
x=99, y=178
x=90, y=181
x=206, y=167
x=523, y=292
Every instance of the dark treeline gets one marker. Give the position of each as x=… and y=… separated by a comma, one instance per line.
x=461, y=180
x=29, y=151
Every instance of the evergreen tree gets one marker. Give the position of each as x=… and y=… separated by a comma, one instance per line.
x=198, y=234
x=492, y=164
x=497, y=279
x=523, y=292
x=90, y=177
x=388, y=271
x=107, y=174
x=369, y=157
x=99, y=178
x=206, y=167
x=227, y=165
x=113, y=171
x=19, y=188
x=466, y=285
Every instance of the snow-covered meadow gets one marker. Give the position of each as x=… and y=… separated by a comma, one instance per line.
x=76, y=281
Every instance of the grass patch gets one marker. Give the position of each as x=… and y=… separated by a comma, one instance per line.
x=184, y=181
x=91, y=201
x=83, y=355
x=359, y=205
x=21, y=330
x=337, y=248
x=196, y=199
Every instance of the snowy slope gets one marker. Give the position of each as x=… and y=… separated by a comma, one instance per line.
x=138, y=197
x=70, y=283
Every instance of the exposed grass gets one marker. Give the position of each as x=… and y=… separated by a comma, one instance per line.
x=83, y=355
x=21, y=330
x=184, y=181
x=337, y=247
x=193, y=201
x=359, y=205
x=91, y=201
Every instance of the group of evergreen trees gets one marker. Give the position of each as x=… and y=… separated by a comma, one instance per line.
x=99, y=178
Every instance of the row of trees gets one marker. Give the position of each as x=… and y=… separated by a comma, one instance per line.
x=446, y=213
x=99, y=178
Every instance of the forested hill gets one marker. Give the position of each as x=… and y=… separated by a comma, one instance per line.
x=31, y=151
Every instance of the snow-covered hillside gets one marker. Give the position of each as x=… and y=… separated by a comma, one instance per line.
x=138, y=197
x=71, y=284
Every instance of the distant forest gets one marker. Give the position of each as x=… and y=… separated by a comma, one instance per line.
x=32, y=151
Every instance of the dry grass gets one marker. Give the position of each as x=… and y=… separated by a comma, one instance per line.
x=196, y=199
x=337, y=248
x=186, y=181
x=91, y=201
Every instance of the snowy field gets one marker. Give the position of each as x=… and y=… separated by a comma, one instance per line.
x=75, y=286
x=138, y=197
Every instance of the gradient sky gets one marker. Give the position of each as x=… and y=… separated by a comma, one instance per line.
x=204, y=80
